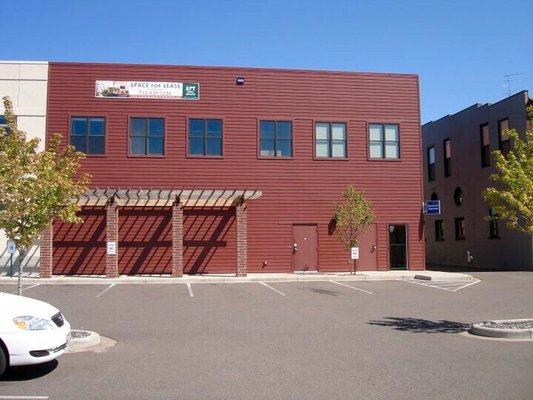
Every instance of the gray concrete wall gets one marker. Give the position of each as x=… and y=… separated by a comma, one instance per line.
x=513, y=249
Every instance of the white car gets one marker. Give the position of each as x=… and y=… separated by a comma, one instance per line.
x=31, y=331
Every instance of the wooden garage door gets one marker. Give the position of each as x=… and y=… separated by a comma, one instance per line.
x=79, y=249
x=145, y=241
x=209, y=241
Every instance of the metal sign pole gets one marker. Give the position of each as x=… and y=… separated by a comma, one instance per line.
x=11, y=265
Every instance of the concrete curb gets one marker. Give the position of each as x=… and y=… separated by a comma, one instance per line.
x=480, y=330
x=255, y=277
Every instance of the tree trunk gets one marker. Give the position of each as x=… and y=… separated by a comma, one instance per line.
x=22, y=254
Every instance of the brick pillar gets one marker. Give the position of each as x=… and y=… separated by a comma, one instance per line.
x=241, y=216
x=111, y=268
x=177, y=240
x=46, y=249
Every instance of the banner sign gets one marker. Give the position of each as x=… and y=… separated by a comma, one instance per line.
x=147, y=90
x=433, y=207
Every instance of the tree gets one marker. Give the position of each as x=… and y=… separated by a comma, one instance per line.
x=512, y=199
x=36, y=188
x=352, y=217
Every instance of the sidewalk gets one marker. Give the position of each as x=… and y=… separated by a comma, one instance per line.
x=252, y=277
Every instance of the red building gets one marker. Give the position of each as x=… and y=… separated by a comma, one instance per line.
x=224, y=170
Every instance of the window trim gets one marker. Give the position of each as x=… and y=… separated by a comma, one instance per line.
x=428, y=165
x=147, y=115
x=258, y=136
x=482, y=146
x=105, y=116
x=187, y=132
x=384, y=159
x=330, y=121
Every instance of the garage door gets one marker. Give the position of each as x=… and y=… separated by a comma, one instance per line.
x=209, y=241
x=79, y=249
x=145, y=241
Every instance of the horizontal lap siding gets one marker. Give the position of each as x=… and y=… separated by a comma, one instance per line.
x=295, y=190
x=209, y=241
x=79, y=249
x=145, y=241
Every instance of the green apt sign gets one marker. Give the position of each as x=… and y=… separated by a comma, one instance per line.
x=191, y=91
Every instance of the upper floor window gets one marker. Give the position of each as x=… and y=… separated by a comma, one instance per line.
x=205, y=137
x=330, y=140
x=447, y=147
x=503, y=137
x=485, y=145
x=384, y=141
x=87, y=134
x=431, y=164
x=147, y=136
x=493, y=224
x=275, y=138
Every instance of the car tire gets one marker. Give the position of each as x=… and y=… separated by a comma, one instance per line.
x=3, y=360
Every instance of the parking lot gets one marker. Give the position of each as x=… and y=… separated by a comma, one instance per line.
x=294, y=340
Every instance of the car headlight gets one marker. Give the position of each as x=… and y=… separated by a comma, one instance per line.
x=30, y=323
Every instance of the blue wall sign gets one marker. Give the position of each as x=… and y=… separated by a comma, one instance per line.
x=433, y=207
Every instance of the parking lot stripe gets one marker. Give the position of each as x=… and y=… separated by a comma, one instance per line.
x=29, y=287
x=105, y=290
x=24, y=397
x=270, y=287
x=352, y=287
x=468, y=284
x=190, y=289
x=425, y=284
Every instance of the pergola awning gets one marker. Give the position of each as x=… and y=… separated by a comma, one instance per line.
x=166, y=197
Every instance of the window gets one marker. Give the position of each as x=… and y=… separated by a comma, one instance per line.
x=3, y=124
x=447, y=146
x=205, y=137
x=147, y=136
x=330, y=140
x=439, y=230
x=87, y=134
x=458, y=196
x=503, y=138
x=384, y=141
x=485, y=145
x=434, y=196
x=275, y=138
x=459, y=228
x=493, y=225
x=431, y=164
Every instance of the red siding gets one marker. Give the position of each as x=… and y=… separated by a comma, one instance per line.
x=145, y=241
x=296, y=190
x=79, y=249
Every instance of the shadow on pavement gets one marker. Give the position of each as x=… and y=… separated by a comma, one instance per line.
x=418, y=325
x=473, y=269
x=29, y=372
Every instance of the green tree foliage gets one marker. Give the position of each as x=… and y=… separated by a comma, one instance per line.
x=352, y=217
x=36, y=188
x=512, y=196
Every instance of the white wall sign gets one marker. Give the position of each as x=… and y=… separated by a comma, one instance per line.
x=11, y=248
x=111, y=248
x=355, y=253
x=147, y=90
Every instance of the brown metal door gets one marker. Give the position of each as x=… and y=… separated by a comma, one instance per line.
x=368, y=252
x=305, y=247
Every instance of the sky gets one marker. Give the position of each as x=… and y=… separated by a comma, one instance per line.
x=460, y=49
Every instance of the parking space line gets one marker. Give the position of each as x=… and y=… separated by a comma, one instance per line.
x=274, y=289
x=189, y=287
x=352, y=287
x=425, y=284
x=24, y=397
x=29, y=287
x=106, y=289
x=468, y=284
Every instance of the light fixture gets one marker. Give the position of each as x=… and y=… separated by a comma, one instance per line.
x=239, y=80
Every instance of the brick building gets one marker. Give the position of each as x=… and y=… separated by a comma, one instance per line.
x=234, y=170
